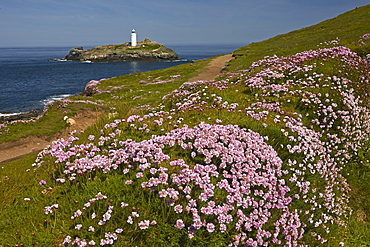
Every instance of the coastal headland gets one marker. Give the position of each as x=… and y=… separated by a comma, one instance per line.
x=267, y=146
x=145, y=50
x=16, y=149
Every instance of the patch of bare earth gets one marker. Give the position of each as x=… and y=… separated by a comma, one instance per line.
x=14, y=150
x=213, y=69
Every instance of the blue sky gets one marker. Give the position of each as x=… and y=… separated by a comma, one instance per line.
x=99, y=22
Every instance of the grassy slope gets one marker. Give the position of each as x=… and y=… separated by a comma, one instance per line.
x=52, y=122
x=347, y=27
x=26, y=223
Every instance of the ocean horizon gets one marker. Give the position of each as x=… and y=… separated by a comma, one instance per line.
x=32, y=76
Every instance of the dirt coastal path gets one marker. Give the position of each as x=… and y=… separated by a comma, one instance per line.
x=214, y=68
x=13, y=150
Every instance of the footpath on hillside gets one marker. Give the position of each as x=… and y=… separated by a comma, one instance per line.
x=214, y=68
x=13, y=150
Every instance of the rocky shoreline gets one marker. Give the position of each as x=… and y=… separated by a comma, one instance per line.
x=27, y=116
x=145, y=50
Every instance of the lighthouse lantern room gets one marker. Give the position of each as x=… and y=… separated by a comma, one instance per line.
x=133, y=38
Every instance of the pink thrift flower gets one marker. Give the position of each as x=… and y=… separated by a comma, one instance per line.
x=106, y=216
x=77, y=213
x=61, y=180
x=100, y=196
x=130, y=220
x=144, y=224
x=178, y=209
x=210, y=227
x=179, y=224
x=78, y=227
x=222, y=227
x=163, y=193
x=67, y=240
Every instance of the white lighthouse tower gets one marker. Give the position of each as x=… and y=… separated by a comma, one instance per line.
x=133, y=37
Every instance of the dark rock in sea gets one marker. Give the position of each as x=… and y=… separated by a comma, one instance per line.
x=75, y=53
x=145, y=50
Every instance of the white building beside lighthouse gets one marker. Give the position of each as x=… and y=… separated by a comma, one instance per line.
x=133, y=38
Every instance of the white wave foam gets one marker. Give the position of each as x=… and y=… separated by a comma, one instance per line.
x=54, y=98
x=10, y=114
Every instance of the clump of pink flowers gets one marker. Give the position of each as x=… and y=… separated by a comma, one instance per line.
x=230, y=179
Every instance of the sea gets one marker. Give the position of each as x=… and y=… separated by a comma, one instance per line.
x=30, y=77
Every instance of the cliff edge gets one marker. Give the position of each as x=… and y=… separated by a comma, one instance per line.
x=145, y=50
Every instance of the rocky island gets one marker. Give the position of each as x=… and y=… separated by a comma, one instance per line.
x=145, y=50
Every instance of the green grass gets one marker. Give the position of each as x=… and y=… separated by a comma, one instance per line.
x=145, y=47
x=48, y=125
x=142, y=93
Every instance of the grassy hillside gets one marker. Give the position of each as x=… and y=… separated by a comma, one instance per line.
x=272, y=153
x=347, y=28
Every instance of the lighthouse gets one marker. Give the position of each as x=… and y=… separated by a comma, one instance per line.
x=133, y=37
